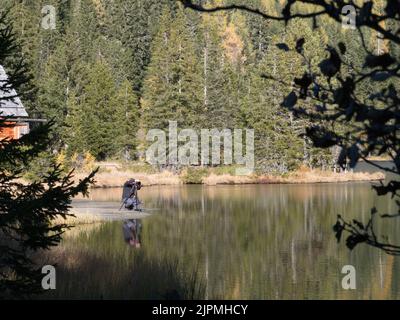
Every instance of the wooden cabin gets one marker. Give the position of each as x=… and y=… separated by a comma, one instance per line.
x=13, y=111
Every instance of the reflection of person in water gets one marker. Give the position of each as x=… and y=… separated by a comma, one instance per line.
x=132, y=229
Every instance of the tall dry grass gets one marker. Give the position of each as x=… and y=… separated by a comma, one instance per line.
x=311, y=176
x=78, y=219
x=115, y=176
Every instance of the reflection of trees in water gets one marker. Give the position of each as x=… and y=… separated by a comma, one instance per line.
x=96, y=266
x=245, y=242
x=278, y=246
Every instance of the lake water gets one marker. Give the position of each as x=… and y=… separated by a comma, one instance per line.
x=230, y=242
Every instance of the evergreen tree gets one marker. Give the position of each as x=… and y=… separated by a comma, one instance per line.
x=215, y=78
x=173, y=85
x=100, y=118
x=133, y=24
x=64, y=73
x=127, y=122
x=261, y=30
x=197, y=69
x=278, y=149
x=27, y=211
x=92, y=125
x=279, y=145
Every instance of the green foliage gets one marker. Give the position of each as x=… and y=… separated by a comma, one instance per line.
x=103, y=120
x=133, y=24
x=172, y=88
x=193, y=175
x=351, y=106
x=28, y=210
x=162, y=62
x=38, y=166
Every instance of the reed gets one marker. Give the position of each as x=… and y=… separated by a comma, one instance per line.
x=115, y=176
x=78, y=219
x=312, y=176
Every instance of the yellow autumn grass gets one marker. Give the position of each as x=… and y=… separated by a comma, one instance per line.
x=78, y=219
x=312, y=176
x=116, y=178
x=214, y=179
x=319, y=176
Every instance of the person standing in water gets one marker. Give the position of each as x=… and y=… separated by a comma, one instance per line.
x=130, y=196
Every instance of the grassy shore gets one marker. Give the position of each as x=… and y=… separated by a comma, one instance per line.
x=114, y=176
x=78, y=219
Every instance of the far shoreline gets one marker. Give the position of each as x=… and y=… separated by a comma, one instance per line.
x=116, y=177
x=245, y=184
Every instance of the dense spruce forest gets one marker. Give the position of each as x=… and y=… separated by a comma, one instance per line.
x=113, y=69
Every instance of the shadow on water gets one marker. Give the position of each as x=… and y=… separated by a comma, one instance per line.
x=230, y=242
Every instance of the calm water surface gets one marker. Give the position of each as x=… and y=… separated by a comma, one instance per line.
x=230, y=242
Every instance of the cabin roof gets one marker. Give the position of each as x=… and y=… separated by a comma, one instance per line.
x=10, y=103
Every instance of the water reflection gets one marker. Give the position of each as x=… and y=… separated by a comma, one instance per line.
x=233, y=242
x=132, y=231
